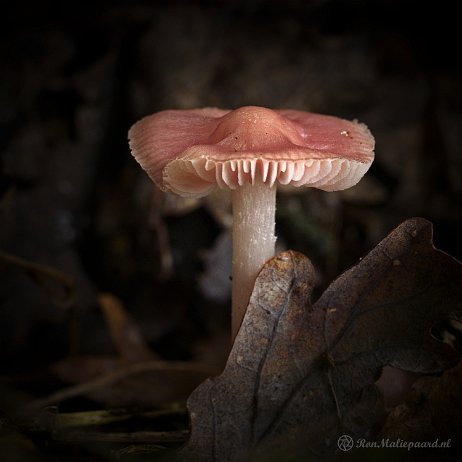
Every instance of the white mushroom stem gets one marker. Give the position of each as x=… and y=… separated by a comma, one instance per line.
x=254, y=210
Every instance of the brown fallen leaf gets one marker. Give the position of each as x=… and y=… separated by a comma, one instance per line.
x=118, y=383
x=306, y=373
x=125, y=333
x=136, y=376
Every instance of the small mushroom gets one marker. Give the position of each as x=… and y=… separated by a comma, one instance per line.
x=249, y=150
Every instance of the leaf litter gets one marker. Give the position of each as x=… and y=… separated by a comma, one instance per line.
x=134, y=376
x=302, y=374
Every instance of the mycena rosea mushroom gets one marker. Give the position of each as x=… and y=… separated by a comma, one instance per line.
x=249, y=150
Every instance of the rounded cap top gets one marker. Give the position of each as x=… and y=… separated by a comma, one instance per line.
x=192, y=151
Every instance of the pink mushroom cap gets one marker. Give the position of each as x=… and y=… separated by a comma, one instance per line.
x=190, y=152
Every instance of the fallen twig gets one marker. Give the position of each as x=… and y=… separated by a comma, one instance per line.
x=39, y=273
x=103, y=417
x=115, y=376
x=174, y=436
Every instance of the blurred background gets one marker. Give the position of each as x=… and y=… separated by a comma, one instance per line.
x=87, y=240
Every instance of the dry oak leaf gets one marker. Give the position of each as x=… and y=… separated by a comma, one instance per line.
x=303, y=372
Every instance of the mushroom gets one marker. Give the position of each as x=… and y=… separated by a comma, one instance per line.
x=249, y=150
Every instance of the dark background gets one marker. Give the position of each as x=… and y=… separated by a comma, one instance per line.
x=75, y=76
